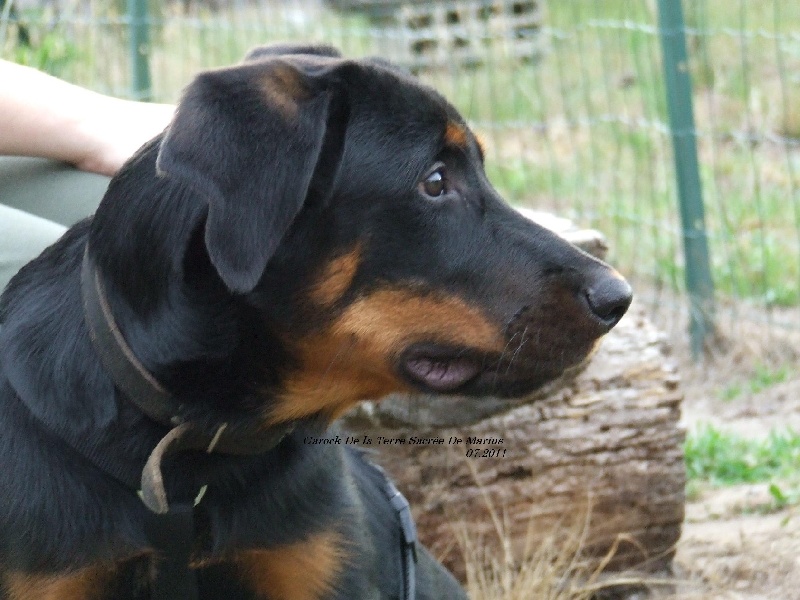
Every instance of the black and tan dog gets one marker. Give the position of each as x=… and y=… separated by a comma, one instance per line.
x=309, y=232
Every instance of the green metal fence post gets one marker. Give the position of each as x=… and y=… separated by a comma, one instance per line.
x=699, y=283
x=139, y=24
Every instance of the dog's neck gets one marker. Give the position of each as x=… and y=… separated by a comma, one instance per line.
x=207, y=346
x=203, y=347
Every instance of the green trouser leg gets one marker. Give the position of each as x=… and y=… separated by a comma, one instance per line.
x=39, y=199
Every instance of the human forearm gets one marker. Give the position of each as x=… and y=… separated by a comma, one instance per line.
x=44, y=116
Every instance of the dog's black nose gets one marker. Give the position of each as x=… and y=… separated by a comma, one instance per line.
x=609, y=299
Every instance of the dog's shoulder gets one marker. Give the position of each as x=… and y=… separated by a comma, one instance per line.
x=45, y=351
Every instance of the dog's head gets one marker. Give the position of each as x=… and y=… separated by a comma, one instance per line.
x=346, y=207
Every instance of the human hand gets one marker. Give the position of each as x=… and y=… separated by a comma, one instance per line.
x=113, y=133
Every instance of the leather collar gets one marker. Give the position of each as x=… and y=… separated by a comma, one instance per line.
x=142, y=389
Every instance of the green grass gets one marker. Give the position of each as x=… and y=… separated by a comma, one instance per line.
x=581, y=131
x=783, y=497
x=762, y=378
x=46, y=48
x=722, y=458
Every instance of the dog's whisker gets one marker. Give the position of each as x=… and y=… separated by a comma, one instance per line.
x=344, y=348
x=500, y=360
x=517, y=351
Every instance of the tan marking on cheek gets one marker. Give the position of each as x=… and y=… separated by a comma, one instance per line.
x=85, y=584
x=352, y=359
x=335, y=278
x=283, y=89
x=389, y=320
x=306, y=570
x=335, y=374
x=455, y=134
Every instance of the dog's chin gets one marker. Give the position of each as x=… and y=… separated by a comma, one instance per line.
x=442, y=369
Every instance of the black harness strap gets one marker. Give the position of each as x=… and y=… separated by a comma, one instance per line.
x=172, y=536
x=408, y=532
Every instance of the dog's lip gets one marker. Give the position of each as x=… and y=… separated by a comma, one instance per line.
x=439, y=368
x=442, y=368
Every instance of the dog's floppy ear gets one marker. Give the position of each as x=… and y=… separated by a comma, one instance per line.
x=250, y=139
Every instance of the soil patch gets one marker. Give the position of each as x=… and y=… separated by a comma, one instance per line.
x=736, y=543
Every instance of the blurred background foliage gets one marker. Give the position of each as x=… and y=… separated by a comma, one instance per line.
x=568, y=96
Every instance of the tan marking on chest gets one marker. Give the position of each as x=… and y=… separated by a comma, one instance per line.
x=85, y=584
x=306, y=570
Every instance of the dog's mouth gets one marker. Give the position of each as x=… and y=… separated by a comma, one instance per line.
x=447, y=369
x=440, y=368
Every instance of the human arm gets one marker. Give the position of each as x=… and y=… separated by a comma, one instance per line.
x=43, y=116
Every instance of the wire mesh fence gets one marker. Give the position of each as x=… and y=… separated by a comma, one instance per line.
x=568, y=95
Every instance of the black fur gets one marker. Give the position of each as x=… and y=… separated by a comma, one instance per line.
x=210, y=241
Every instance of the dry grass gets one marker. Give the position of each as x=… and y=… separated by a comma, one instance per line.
x=554, y=570
x=747, y=338
x=551, y=567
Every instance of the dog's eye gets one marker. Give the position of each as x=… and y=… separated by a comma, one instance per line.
x=435, y=184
